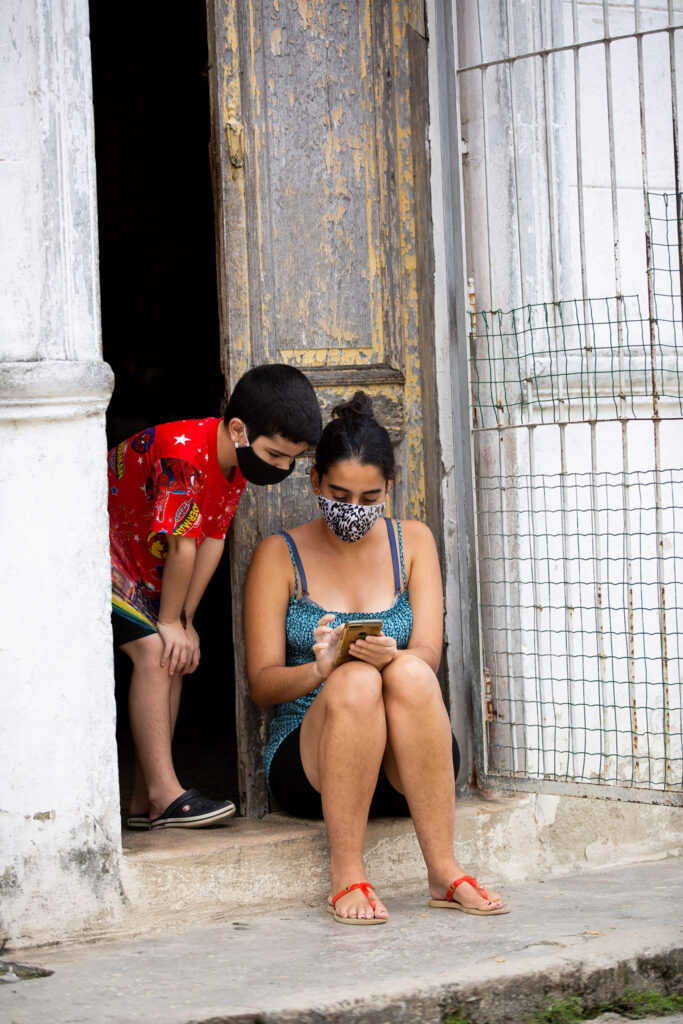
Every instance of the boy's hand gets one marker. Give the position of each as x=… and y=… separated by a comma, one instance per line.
x=181, y=647
x=194, y=637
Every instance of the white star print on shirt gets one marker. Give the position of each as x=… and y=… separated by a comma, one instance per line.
x=181, y=440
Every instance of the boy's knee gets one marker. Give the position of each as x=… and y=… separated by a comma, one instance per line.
x=146, y=652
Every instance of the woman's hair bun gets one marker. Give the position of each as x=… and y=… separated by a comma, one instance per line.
x=359, y=405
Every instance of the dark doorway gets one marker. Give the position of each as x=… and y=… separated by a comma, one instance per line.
x=160, y=307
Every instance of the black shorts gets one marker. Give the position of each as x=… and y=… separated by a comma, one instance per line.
x=126, y=629
x=295, y=794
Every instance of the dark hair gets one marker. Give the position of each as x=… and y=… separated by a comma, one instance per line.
x=354, y=433
x=276, y=399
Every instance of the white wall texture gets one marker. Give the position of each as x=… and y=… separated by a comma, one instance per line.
x=59, y=817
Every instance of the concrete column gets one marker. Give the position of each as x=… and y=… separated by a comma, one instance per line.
x=60, y=841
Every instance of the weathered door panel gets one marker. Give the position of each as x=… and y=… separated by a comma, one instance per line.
x=319, y=129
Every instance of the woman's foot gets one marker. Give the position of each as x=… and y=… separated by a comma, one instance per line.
x=355, y=903
x=469, y=897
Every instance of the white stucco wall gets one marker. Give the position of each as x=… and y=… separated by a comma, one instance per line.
x=60, y=840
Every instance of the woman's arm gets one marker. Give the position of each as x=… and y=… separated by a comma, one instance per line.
x=426, y=600
x=266, y=597
x=425, y=590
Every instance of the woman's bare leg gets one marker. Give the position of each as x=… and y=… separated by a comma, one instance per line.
x=419, y=763
x=343, y=738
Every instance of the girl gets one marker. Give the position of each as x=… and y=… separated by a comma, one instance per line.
x=371, y=735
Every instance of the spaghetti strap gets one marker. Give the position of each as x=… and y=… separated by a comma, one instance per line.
x=296, y=562
x=394, y=556
x=400, y=548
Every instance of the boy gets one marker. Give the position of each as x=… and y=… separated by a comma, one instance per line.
x=173, y=490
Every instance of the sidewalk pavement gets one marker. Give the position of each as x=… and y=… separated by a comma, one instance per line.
x=586, y=935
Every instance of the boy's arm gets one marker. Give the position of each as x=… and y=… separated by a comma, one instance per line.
x=181, y=646
x=206, y=562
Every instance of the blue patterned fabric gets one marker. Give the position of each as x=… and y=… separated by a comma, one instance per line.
x=302, y=619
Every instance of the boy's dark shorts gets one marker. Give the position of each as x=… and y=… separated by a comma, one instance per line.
x=126, y=629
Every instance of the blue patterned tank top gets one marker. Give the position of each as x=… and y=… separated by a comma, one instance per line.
x=302, y=619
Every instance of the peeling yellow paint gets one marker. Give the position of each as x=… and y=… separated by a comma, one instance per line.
x=291, y=97
x=276, y=41
x=327, y=356
x=337, y=114
x=335, y=331
x=304, y=12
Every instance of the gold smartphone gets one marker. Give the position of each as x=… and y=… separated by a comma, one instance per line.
x=356, y=630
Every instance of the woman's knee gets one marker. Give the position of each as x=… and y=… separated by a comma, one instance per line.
x=353, y=689
x=410, y=680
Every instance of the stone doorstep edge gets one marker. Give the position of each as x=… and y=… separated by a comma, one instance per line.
x=489, y=1000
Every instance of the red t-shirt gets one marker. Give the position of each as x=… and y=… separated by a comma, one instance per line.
x=165, y=480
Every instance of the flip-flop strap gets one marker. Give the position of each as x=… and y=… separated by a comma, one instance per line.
x=366, y=888
x=450, y=892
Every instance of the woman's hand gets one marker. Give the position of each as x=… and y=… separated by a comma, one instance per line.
x=378, y=651
x=326, y=640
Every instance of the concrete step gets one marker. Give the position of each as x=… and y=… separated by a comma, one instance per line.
x=281, y=861
x=278, y=862
x=587, y=935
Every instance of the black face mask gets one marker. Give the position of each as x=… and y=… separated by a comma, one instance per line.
x=256, y=470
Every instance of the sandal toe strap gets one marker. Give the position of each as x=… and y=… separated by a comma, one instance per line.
x=450, y=892
x=366, y=888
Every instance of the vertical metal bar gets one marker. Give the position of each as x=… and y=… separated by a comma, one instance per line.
x=655, y=413
x=588, y=339
x=613, y=172
x=602, y=659
x=676, y=143
x=599, y=618
x=515, y=158
x=538, y=606
x=549, y=162
x=484, y=130
x=579, y=151
x=507, y=518
x=630, y=626
x=568, y=603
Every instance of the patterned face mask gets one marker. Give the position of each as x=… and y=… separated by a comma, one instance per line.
x=350, y=522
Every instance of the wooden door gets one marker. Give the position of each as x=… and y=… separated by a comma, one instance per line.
x=320, y=163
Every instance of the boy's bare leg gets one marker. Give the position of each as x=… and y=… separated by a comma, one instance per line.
x=139, y=803
x=153, y=705
x=343, y=737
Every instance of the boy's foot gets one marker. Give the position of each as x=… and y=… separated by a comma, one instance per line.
x=192, y=810
x=137, y=822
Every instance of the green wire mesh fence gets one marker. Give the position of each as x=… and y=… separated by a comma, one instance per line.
x=578, y=438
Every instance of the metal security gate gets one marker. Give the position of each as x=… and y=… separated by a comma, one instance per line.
x=572, y=201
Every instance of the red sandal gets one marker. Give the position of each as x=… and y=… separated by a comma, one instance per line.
x=369, y=894
x=450, y=903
